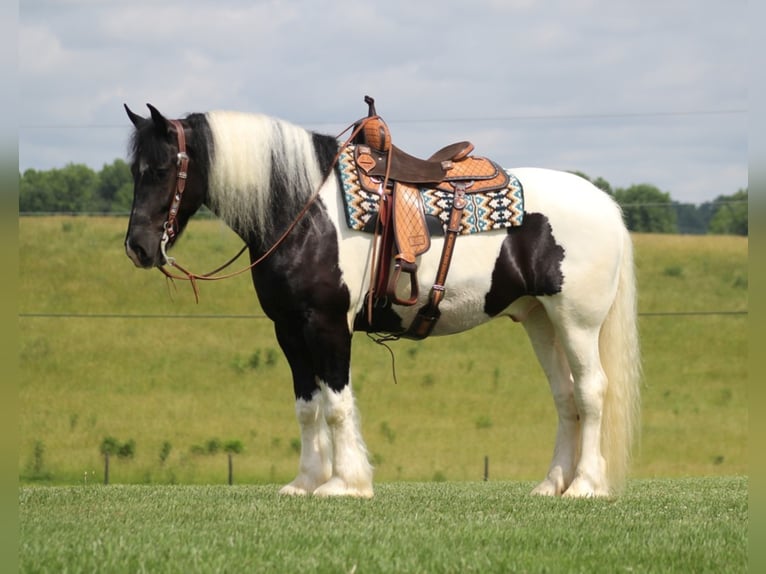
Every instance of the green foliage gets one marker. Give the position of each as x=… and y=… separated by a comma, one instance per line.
x=211, y=446
x=165, y=451
x=647, y=209
x=255, y=360
x=483, y=422
x=115, y=188
x=112, y=446
x=599, y=182
x=730, y=214
x=387, y=431
x=36, y=470
x=70, y=189
x=439, y=476
x=233, y=446
x=76, y=188
x=673, y=271
x=215, y=445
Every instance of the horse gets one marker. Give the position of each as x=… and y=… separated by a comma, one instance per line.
x=566, y=274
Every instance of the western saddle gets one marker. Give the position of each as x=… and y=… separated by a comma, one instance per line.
x=401, y=223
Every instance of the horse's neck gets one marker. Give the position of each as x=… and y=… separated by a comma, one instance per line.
x=263, y=173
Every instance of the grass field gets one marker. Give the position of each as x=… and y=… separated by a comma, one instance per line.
x=659, y=525
x=100, y=358
x=108, y=351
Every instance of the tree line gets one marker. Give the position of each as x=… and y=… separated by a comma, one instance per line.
x=77, y=188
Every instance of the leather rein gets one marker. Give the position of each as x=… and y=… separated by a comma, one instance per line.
x=170, y=228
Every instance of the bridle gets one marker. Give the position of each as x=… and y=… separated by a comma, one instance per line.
x=170, y=228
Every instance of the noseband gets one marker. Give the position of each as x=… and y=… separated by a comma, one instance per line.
x=170, y=229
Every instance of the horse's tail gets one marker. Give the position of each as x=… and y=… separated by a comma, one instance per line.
x=621, y=360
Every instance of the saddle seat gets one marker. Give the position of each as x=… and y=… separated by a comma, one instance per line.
x=402, y=166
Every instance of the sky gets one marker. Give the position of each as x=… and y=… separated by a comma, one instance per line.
x=634, y=92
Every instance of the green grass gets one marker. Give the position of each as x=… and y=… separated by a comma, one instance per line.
x=681, y=525
x=187, y=381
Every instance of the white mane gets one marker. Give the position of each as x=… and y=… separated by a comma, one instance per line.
x=249, y=151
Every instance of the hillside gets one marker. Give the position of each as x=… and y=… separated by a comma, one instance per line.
x=99, y=357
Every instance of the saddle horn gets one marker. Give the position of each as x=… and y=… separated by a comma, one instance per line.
x=370, y=101
x=376, y=134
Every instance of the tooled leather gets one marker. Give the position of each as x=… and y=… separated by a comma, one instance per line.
x=411, y=230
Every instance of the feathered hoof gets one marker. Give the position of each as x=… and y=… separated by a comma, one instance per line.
x=336, y=486
x=290, y=490
x=554, y=484
x=583, y=488
x=547, y=488
x=298, y=487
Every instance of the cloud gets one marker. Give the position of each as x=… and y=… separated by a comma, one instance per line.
x=571, y=84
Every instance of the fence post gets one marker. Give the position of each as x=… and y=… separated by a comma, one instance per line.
x=231, y=469
x=106, y=468
x=486, y=468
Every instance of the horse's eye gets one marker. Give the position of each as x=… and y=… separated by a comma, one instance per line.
x=155, y=174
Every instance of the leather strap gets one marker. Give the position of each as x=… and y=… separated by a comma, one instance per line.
x=182, y=174
x=425, y=321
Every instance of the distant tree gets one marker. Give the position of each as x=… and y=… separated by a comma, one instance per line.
x=581, y=174
x=603, y=185
x=69, y=189
x=115, y=188
x=730, y=214
x=693, y=219
x=599, y=182
x=34, y=192
x=647, y=209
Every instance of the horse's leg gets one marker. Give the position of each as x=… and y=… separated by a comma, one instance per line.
x=351, y=469
x=329, y=337
x=581, y=346
x=551, y=356
x=315, y=466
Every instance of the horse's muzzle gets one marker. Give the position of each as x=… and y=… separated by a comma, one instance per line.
x=140, y=257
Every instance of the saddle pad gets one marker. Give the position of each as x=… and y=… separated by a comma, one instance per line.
x=483, y=212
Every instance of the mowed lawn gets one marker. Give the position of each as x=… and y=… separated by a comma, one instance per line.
x=659, y=525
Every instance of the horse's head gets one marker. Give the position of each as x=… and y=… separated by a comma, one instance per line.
x=168, y=188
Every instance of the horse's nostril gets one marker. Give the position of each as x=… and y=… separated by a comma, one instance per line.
x=137, y=254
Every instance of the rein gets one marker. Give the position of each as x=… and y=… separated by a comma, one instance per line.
x=170, y=228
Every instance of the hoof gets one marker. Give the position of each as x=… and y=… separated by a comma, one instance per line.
x=553, y=485
x=546, y=488
x=338, y=487
x=583, y=488
x=301, y=486
x=290, y=490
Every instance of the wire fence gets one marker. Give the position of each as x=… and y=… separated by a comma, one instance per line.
x=161, y=316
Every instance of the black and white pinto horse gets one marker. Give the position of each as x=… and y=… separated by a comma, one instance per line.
x=566, y=275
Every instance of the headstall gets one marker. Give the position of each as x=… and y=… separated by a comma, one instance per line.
x=182, y=163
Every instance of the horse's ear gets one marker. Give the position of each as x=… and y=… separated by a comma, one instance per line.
x=161, y=124
x=135, y=118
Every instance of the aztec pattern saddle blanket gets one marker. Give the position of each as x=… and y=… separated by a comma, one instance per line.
x=484, y=211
